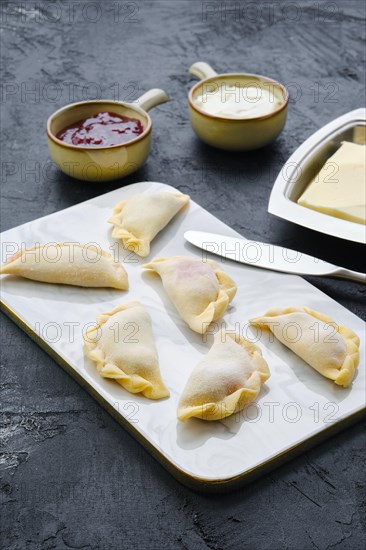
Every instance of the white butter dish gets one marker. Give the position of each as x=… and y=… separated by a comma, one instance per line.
x=302, y=167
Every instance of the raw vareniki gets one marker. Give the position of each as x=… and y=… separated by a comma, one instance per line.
x=330, y=349
x=200, y=291
x=68, y=264
x=122, y=345
x=139, y=219
x=228, y=378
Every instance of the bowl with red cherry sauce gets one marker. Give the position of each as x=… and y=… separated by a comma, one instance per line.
x=102, y=140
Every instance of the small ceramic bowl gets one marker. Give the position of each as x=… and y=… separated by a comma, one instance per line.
x=103, y=163
x=232, y=133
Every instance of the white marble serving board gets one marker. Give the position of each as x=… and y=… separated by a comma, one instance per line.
x=210, y=451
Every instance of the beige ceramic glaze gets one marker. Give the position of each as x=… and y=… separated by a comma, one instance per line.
x=102, y=163
x=235, y=134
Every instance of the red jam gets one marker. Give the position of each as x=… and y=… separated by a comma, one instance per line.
x=101, y=130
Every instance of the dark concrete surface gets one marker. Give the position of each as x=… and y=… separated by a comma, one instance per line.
x=72, y=477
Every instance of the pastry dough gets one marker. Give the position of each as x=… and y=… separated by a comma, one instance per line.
x=139, y=219
x=122, y=345
x=228, y=378
x=68, y=264
x=330, y=349
x=200, y=291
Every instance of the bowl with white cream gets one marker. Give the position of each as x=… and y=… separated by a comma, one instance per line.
x=236, y=111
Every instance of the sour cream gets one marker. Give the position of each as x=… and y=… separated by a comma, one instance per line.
x=237, y=101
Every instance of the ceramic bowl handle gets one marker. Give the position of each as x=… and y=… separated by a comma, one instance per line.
x=150, y=99
x=202, y=70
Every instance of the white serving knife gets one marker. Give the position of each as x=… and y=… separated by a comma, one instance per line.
x=268, y=256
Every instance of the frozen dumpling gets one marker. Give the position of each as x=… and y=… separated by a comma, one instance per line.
x=140, y=218
x=228, y=378
x=330, y=349
x=123, y=347
x=68, y=264
x=200, y=290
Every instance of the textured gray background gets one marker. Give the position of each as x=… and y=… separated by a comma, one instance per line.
x=72, y=477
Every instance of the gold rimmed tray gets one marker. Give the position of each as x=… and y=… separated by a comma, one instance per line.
x=296, y=408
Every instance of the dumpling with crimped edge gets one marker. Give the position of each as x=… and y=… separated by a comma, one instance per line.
x=330, y=349
x=200, y=290
x=227, y=379
x=140, y=218
x=69, y=264
x=123, y=348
